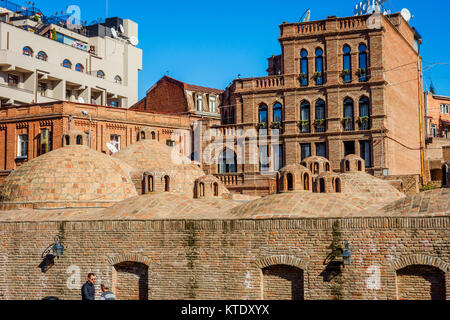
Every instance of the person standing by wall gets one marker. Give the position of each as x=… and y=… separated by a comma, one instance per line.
x=107, y=294
x=88, y=289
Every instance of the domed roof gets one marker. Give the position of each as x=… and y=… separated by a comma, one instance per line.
x=167, y=206
x=353, y=157
x=73, y=176
x=294, y=168
x=369, y=188
x=435, y=202
x=147, y=155
x=301, y=204
x=316, y=159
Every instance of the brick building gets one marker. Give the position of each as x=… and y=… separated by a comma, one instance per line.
x=27, y=132
x=172, y=96
x=437, y=124
x=192, y=242
x=341, y=86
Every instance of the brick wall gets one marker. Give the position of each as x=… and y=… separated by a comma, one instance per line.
x=283, y=282
x=221, y=259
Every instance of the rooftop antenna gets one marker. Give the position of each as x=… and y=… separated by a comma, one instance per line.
x=306, y=16
x=106, y=9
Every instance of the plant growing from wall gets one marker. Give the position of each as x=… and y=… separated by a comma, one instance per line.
x=364, y=120
x=303, y=123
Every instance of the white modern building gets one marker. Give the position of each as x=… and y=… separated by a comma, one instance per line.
x=44, y=60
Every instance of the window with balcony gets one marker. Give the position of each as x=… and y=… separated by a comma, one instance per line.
x=277, y=123
x=262, y=116
x=118, y=79
x=320, y=122
x=22, y=146
x=42, y=56
x=364, y=114
x=362, y=71
x=304, y=68
x=79, y=67
x=319, y=74
x=347, y=64
x=115, y=141
x=100, y=74
x=212, y=104
x=13, y=81
x=27, y=51
x=67, y=64
x=348, y=120
x=305, y=150
x=305, y=117
x=199, y=102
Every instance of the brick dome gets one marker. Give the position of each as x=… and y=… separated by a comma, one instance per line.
x=152, y=164
x=167, y=206
x=435, y=202
x=69, y=177
x=375, y=190
x=317, y=165
x=299, y=204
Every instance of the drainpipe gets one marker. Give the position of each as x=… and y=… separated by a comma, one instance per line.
x=421, y=115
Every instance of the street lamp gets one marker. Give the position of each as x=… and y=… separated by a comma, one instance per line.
x=85, y=113
x=347, y=255
x=57, y=248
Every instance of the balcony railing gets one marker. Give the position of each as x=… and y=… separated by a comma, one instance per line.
x=272, y=82
x=320, y=125
x=304, y=126
x=348, y=124
x=364, y=123
x=230, y=179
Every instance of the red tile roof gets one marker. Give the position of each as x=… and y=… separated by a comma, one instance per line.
x=192, y=87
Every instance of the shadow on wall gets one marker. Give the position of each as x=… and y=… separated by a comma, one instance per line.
x=47, y=263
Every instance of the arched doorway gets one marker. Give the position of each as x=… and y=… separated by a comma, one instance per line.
x=282, y=282
x=421, y=282
x=131, y=281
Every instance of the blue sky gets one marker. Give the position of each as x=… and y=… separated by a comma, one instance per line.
x=210, y=42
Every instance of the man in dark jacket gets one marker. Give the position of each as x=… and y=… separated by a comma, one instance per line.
x=88, y=289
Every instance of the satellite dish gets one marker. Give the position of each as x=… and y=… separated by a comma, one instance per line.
x=112, y=148
x=134, y=41
x=114, y=32
x=306, y=16
x=80, y=100
x=406, y=14
x=121, y=29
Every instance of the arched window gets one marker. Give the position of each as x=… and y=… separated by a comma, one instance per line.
x=67, y=138
x=362, y=72
x=290, y=182
x=79, y=67
x=79, y=140
x=67, y=64
x=319, y=76
x=347, y=64
x=364, y=114
x=304, y=68
x=118, y=79
x=277, y=113
x=150, y=184
x=322, y=185
x=42, y=56
x=320, y=124
x=142, y=135
x=359, y=166
x=316, y=168
x=445, y=175
x=216, y=189
x=348, y=115
x=327, y=167
x=27, y=51
x=167, y=184
x=100, y=74
x=347, y=166
x=306, y=182
x=227, y=162
x=202, y=189
x=153, y=135
x=263, y=116
x=338, y=185
x=305, y=117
